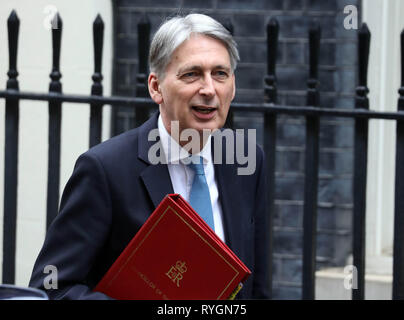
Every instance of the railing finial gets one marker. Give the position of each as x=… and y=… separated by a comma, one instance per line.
x=143, y=29
x=314, y=49
x=363, y=60
x=55, y=75
x=98, y=40
x=143, y=51
x=13, y=24
x=96, y=88
x=401, y=89
x=272, y=46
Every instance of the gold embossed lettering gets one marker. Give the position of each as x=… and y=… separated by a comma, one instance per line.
x=175, y=273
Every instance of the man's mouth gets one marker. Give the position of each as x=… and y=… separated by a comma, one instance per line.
x=204, y=109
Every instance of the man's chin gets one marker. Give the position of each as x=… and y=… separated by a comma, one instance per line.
x=207, y=129
x=207, y=125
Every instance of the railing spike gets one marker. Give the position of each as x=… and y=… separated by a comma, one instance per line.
x=314, y=50
x=402, y=59
x=363, y=52
x=272, y=46
x=96, y=88
x=314, y=47
x=57, y=22
x=98, y=38
x=57, y=26
x=13, y=24
x=98, y=21
x=144, y=37
x=143, y=29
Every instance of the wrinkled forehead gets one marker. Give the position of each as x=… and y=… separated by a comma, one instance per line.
x=200, y=49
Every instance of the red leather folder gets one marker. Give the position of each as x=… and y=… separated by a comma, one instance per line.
x=174, y=256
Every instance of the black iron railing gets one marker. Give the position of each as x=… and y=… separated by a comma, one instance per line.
x=312, y=112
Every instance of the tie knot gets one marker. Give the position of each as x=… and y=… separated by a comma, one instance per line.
x=197, y=165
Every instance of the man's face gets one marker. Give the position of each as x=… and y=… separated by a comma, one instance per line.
x=198, y=85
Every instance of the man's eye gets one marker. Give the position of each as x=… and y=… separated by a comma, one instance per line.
x=189, y=74
x=221, y=74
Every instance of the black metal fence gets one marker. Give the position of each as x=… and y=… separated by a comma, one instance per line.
x=312, y=112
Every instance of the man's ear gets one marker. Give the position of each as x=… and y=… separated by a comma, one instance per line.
x=154, y=88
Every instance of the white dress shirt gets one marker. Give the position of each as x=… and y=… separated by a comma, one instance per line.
x=182, y=176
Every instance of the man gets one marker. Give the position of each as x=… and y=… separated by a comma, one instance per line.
x=115, y=186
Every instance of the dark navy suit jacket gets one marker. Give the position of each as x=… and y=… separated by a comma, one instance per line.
x=111, y=193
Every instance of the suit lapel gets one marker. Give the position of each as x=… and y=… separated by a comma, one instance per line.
x=229, y=195
x=156, y=178
x=157, y=182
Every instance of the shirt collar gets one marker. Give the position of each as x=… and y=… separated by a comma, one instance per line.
x=174, y=153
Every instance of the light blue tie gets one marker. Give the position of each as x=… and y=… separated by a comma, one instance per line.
x=199, y=198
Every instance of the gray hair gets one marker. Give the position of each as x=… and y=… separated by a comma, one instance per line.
x=175, y=31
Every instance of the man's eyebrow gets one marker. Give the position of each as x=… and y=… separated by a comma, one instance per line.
x=188, y=68
x=198, y=67
x=222, y=67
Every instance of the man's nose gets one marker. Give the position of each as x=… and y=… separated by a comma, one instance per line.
x=207, y=86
